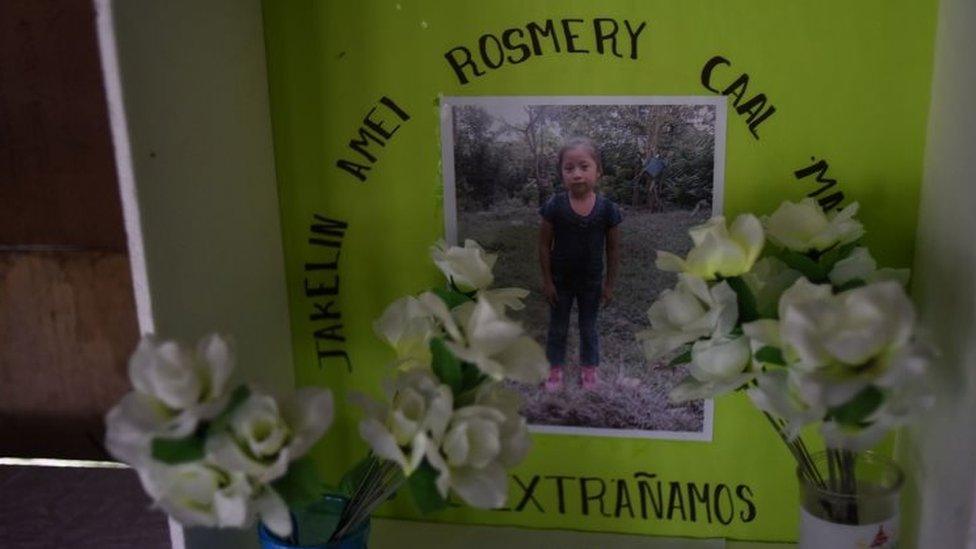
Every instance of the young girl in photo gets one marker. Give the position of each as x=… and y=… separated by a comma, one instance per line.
x=578, y=228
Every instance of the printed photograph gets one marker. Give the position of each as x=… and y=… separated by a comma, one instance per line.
x=576, y=195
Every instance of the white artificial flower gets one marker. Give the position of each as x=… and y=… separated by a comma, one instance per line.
x=444, y=317
x=859, y=265
x=686, y=313
x=417, y=416
x=841, y=343
x=900, y=384
x=468, y=268
x=768, y=332
x=802, y=291
x=851, y=327
x=900, y=376
x=132, y=424
x=803, y=226
x=199, y=494
x=719, y=251
x=719, y=359
x=175, y=389
x=837, y=347
x=179, y=378
x=481, y=441
x=262, y=438
x=514, y=431
x=498, y=346
x=718, y=366
x=776, y=392
x=408, y=326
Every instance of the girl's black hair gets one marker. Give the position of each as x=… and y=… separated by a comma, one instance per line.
x=581, y=143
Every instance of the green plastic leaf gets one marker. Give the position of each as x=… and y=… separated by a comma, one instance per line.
x=859, y=408
x=850, y=285
x=452, y=297
x=770, y=355
x=301, y=485
x=837, y=253
x=683, y=358
x=810, y=268
x=237, y=398
x=747, y=302
x=471, y=376
x=354, y=476
x=178, y=450
x=423, y=489
x=446, y=366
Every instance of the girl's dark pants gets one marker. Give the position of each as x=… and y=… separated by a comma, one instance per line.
x=585, y=291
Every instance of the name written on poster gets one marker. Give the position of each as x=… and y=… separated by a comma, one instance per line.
x=755, y=110
x=492, y=50
x=376, y=130
x=754, y=107
x=321, y=289
x=643, y=495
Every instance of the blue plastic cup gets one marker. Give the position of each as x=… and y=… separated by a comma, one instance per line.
x=313, y=526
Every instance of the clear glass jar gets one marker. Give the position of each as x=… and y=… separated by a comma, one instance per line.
x=849, y=499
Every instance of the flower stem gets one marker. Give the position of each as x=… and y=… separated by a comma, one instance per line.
x=381, y=480
x=799, y=451
x=843, y=481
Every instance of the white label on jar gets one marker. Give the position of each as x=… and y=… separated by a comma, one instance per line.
x=816, y=533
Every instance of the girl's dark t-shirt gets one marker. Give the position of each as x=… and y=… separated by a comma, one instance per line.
x=579, y=241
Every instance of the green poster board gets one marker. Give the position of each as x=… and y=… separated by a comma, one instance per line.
x=824, y=98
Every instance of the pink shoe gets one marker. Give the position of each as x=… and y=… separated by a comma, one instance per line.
x=555, y=381
x=588, y=378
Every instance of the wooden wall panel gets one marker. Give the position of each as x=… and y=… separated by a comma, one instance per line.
x=67, y=316
x=67, y=327
x=57, y=172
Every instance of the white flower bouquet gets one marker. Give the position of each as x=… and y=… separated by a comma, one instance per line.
x=209, y=455
x=448, y=424
x=794, y=311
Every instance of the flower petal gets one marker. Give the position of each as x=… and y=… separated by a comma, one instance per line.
x=309, y=413
x=667, y=261
x=274, y=512
x=381, y=441
x=131, y=425
x=436, y=461
x=216, y=353
x=715, y=360
x=485, y=488
x=765, y=331
x=858, y=265
x=747, y=232
x=435, y=305
x=524, y=361
x=505, y=298
x=232, y=503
